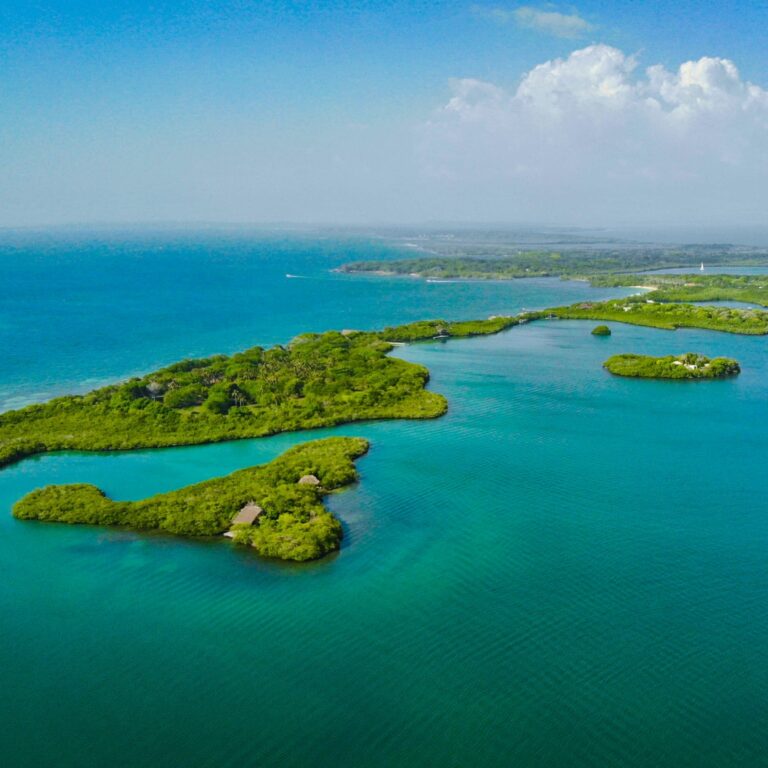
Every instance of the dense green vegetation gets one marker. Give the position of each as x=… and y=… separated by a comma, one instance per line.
x=668, y=316
x=688, y=366
x=295, y=524
x=443, y=329
x=317, y=380
x=478, y=264
x=751, y=289
x=601, y=330
x=530, y=264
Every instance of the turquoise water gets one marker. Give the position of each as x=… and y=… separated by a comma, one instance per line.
x=78, y=311
x=569, y=569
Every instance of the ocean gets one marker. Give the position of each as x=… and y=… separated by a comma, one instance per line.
x=568, y=569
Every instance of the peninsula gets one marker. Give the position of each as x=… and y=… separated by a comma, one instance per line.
x=288, y=519
x=643, y=311
x=317, y=380
x=750, y=289
x=687, y=366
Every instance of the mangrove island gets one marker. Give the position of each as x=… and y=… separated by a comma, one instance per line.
x=687, y=366
x=276, y=508
x=317, y=380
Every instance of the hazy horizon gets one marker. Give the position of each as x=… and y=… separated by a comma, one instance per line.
x=752, y=236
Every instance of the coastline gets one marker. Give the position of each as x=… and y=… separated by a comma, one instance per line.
x=155, y=427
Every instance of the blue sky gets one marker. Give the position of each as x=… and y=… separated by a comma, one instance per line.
x=336, y=111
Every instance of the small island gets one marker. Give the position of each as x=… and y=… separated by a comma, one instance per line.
x=687, y=366
x=276, y=508
x=601, y=330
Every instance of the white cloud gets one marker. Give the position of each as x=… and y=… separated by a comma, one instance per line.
x=569, y=25
x=559, y=24
x=591, y=133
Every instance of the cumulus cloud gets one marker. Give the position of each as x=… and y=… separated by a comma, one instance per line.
x=569, y=25
x=594, y=132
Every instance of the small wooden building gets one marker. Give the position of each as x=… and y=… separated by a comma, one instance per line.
x=248, y=515
x=309, y=480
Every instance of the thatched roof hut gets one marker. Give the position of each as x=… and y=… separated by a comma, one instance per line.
x=309, y=480
x=248, y=515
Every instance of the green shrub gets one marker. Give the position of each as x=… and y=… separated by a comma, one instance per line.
x=185, y=397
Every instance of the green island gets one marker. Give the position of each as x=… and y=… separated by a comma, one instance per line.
x=687, y=366
x=601, y=330
x=750, y=289
x=426, y=330
x=643, y=311
x=289, y=520
x=317, y=380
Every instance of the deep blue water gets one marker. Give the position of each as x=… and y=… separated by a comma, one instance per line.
x=569, y=569
x=79, y=311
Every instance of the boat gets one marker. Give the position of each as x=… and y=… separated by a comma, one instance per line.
x=701, y=268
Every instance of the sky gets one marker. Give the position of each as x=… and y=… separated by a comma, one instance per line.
x=365, y=112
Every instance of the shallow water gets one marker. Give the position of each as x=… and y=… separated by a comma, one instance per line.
x=567, y=569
